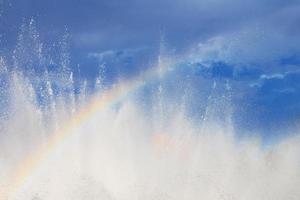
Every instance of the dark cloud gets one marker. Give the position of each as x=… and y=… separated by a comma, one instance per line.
x=223, y=70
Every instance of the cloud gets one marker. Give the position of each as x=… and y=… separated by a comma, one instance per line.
x=282, y=83
x=99, y=24
x=253, y=43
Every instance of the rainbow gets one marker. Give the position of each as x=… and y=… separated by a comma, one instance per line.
x=98, y=103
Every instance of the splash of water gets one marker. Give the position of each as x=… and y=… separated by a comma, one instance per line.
x=129, y=152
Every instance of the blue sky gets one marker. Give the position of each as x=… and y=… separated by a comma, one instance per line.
x=254, y=44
